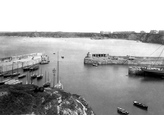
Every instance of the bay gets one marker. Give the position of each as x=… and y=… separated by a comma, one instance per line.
x=104, y=87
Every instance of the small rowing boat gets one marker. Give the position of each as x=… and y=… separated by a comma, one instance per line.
x=21, y=76
x=140, y=105
x=122, y=111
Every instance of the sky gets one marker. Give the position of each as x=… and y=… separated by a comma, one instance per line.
x=81, y=15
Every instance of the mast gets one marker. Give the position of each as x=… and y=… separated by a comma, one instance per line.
x=38, y=71
x=57, y=67
x=48, y=76
x=58, y=85
x=41, y=71
x=45, y=76
x=17, y=66
x=27, y=77
x=159, y=56
x=53, y=76
x=12, y=68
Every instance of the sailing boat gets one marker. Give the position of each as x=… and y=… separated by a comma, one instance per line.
x=153, y=71
x=27, y=78
x=58, y=85
x=33, y=76
x=39, y=76
x=47, y=83
x=12, y=73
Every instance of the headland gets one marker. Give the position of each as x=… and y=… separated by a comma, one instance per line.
x=153, y=36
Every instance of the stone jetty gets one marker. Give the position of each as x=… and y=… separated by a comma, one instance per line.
x=20, y=61
x=106, y=59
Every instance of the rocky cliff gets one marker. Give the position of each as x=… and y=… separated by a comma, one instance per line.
x=143, y=37
x=33, y=100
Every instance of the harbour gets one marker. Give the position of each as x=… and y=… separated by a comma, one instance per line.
x=104, y=87
x=106, y=59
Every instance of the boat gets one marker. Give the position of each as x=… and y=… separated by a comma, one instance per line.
x=21, y=76
x=47, y=84
x=140, y=105
x=26, y=68
x=122, y=111
x=3, y=82
x=7, y=74
x=1, y=74
x=15, y=74
x=157, y=72
x=13, y=82
x=59, y=85
x=154, y=70
x=10, y=81
x=44, y=62
x=33, y=76
x=17, y=82
x=11, y=74
x=95, y=64
x=34, y=67
x=39, y=77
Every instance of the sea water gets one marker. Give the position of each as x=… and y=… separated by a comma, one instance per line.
x=104, y=87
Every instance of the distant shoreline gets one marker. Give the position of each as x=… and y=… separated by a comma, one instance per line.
x=157, y=38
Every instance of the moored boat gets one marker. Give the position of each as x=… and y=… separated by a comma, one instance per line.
x=153, y=71
x=1, y=74
x=45, y=62
x=33, y=76
x=39, y=77
x=3, y=82
x=10, y=81
x=27, y=68
x=47, y=84
x=15, y=74
x=140, y=105
x=122, y=111
x=35, y=67
x=17, y=82
x=21, y=76
x=59, y=85
x=13, y=82
x=7, y=75
x=95, y=64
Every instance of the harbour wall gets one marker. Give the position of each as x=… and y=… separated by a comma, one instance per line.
x=14, y=62
x=105, y=59
x=135, y=70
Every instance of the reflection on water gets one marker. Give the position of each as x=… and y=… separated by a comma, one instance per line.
x=104, y=87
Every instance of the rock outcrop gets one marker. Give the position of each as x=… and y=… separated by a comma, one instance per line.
x=143, y=37
x=33, y=100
